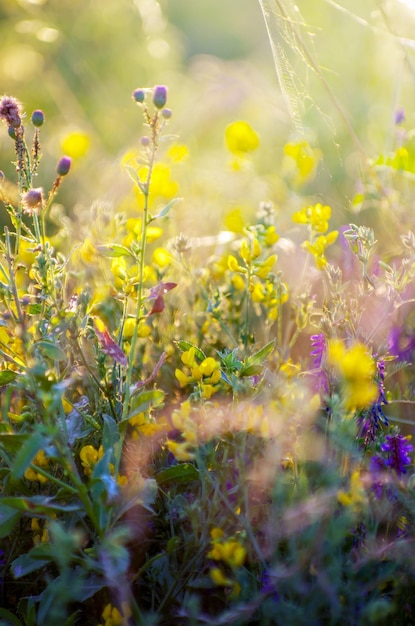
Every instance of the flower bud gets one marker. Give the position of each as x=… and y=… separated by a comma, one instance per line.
x=166, y=113
x=145, y=141
x=139, y=95
x=159, y=96
x=38, y=117
x=64, y=165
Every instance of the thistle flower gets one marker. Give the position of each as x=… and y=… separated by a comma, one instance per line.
x=32, y=200
x=139, y=95
x=38, y=118
x=64, y=165
x=159, y=96
x=11, y=111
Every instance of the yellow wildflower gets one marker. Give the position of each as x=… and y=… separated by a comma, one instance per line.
x=356, y=496
x=113, y=617
x=234, y=221
x=41, y=461
x=89, y=457
x=357, y=369
x=240, y=137
x=271, y=236
x=181, y=450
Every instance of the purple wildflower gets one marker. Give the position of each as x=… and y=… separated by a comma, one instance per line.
x=268, y=586
x=10, y=111
x=370, y=420
x=377, y=469
x=399, y=116
x=398, y=451
x=318, y=344
x=401, y=344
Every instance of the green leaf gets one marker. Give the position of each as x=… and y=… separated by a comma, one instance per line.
x=8, y=619
x=181, y=473
x=137, y=492
x=12, y=442
x=50, y=350
x=38, y=557
x=252, y=364
x=8, y=519
x=113, y=250
x=184, y=346
x=37, y=505
x=110, y=434
x=6, y=377
x=145, y=400
x=34, y=309
x=27, y=453
x=165, y=210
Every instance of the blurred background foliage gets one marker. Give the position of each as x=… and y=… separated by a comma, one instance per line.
x=79, y=61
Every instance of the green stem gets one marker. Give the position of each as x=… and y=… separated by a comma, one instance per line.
x=145, y=188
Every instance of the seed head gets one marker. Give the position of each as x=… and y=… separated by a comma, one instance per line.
x=11, y=111
x=159, y=96
x=64, y=165
x=38, y=117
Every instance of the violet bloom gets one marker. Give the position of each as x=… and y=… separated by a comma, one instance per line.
x=401, y=344
x=318, y=344
x=398, y=453
x=377, y=469
x=10, y=111
x=399, y=116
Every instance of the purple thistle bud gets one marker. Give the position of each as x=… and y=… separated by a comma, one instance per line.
x=38, y=117
x=64, y=165
x=159, y=96
x=166, y=113
x=12, y=132
x=139, y=95
x=10, y=111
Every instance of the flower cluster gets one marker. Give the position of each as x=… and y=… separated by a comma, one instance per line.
x=317, y=218
x=356, y=369
x=204, y=374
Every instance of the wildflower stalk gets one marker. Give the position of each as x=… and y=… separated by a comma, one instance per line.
x=12, y=281
x=145, y=188
x=246, y=324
